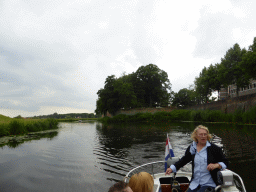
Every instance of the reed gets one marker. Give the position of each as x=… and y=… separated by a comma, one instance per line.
x=250, y=116
x=23, y=126
x=187, y=115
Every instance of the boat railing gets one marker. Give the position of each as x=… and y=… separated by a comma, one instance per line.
x=238, y=182
x=152, y=168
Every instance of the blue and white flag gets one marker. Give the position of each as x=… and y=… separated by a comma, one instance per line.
x=168, y=151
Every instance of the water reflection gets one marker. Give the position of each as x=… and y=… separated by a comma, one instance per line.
x=92, y=156
x=134, y=144
x=14, y=142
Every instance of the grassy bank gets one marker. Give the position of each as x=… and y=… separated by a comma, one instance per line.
x=240, y=117
x=9, y=126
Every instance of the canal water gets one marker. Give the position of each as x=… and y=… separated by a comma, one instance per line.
x=91, y=157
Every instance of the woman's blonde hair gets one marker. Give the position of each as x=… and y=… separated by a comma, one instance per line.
x=193, y=135
x=141, y=182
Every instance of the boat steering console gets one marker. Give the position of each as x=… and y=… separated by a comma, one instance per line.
x=175, y=184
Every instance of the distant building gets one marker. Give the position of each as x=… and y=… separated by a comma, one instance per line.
x=230, y=91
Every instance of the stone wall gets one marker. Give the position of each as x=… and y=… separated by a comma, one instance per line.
x=144, y=110
x=229, y=105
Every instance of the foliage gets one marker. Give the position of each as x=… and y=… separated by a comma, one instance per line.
x=148, y=86
x=248, y=62
x=237, y=67
x=184, y=98
x=66, y=116
x=23, y=126
x=187, y=115
x=231, y=69
x=155, y=84
x=203, y=85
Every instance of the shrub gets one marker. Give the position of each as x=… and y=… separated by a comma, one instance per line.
x=237, y=116
x=195, y=115
x=161, y=116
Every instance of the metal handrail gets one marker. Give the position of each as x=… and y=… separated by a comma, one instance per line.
x=244, y=190
x=151, y=163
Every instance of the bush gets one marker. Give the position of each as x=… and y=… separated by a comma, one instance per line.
x=195, y=116
x=119, y=118
x=249, y=116
x=161, y=116
x=237, y=116
x=216, y=116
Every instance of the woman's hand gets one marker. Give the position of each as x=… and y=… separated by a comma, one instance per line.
x=168, y=171
x=213, y=166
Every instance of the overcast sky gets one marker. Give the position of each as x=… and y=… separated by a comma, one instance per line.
x=56, y=54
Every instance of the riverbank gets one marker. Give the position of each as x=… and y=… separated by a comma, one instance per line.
x=10, y=126
x=75, y=119
x=238, y=117
x=14, y=140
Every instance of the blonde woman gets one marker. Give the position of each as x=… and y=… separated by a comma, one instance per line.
x=207, y=159
x=141, y=182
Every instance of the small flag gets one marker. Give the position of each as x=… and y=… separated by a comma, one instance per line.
x=168, y=151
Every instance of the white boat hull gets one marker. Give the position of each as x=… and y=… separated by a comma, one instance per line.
x=237, y=183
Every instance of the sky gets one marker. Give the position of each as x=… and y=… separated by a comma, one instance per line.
x=56, y=54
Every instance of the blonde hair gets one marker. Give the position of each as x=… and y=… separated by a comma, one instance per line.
x=141, y=182
x=193, y=135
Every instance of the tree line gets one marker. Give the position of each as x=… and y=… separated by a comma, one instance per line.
x=149, y=86
x=65, y=116
x=237, y=67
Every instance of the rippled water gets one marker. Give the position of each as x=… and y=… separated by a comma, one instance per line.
x=92, y=157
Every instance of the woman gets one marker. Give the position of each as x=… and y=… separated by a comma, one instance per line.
x=141, y=182
x=207, y=159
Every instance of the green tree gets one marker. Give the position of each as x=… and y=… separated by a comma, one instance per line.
x=248, y=62
x=217, y=80
x=203, y=86
x=154, y=85
x=91, y=115
x=18, y=117
x=126, y=96
x=231, y=70
x=148, y=86
x=184, y=98
x=107, y=99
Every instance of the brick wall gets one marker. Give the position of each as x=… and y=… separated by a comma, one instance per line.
x=229, y=105
x=141, y=110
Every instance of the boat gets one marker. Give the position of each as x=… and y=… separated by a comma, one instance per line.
x=228, y=180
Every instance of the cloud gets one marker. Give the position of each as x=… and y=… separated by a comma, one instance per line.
x=57, y=54
x=220, y=27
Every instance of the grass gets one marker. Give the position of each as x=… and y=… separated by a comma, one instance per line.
x=248, y=117
x=9, y=126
